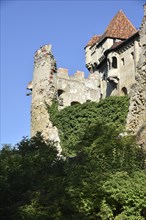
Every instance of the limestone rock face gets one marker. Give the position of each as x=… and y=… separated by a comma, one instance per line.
x=43, y=93
x=136, y=120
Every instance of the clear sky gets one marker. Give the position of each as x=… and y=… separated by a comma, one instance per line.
x=27, y=25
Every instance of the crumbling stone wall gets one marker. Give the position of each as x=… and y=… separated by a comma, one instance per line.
x=49, y=83
x=76, y=88
x=136, y=120
x=43, y=91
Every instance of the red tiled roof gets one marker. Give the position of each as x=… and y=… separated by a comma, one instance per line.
x=93, y=40
x=120, y=27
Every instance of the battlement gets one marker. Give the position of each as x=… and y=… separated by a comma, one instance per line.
x=63, y=73
x=79, y=74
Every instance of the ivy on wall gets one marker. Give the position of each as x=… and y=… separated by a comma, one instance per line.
x=73, y=121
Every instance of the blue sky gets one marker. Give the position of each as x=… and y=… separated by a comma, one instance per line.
x=27, y=25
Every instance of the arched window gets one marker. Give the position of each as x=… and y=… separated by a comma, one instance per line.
x=75, y=102
x=114, y=62
x=124, y=91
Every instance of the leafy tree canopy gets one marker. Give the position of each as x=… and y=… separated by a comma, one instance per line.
x=73, y=121
x=101, y=177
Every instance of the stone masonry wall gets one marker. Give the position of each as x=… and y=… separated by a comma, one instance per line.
x=136, y=120
x=42, y=93
x=75, y=88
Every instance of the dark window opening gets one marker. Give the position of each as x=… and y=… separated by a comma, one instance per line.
x=114, y=40
x=59, y=92
x=114, y=62
x=123, y=62
x=75, y=102
x=132, y=54
x=124, y=90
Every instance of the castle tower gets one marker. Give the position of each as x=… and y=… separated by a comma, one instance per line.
x=43, y=91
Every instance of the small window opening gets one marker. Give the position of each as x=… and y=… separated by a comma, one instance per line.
x=114, y=40
x=124, y=91
x=114, y=62
x=75, y=102
x=59, y=92
x=132, y=55
x=123, y=61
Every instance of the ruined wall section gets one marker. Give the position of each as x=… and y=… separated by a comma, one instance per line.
x=43, y=92
x=136, y=120
x=75, y=88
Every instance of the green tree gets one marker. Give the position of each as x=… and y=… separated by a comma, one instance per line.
x=31, y=177
x=101, y=176
x=101, y=153
x=124, y=197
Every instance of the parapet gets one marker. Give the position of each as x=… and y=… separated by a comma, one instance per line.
x=79, y=74
x=93, y=76
x=62, y=73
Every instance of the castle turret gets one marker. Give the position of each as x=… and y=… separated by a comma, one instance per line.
x=43, y=91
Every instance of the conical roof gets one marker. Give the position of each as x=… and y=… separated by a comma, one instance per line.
x=120, y=27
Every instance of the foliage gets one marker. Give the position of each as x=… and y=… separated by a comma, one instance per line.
x=124, y=195
x=73, y=120
x=102, y=177
x=27, y=176
x=96, y=161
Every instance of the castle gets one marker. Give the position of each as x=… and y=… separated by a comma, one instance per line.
x=116, y=62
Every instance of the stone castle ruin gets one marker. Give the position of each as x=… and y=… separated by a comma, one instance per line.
x=116, y=62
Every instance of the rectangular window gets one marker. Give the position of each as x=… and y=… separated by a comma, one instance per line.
x=122, y=61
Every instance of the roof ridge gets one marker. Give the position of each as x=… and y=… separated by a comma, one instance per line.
x=127, y=18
